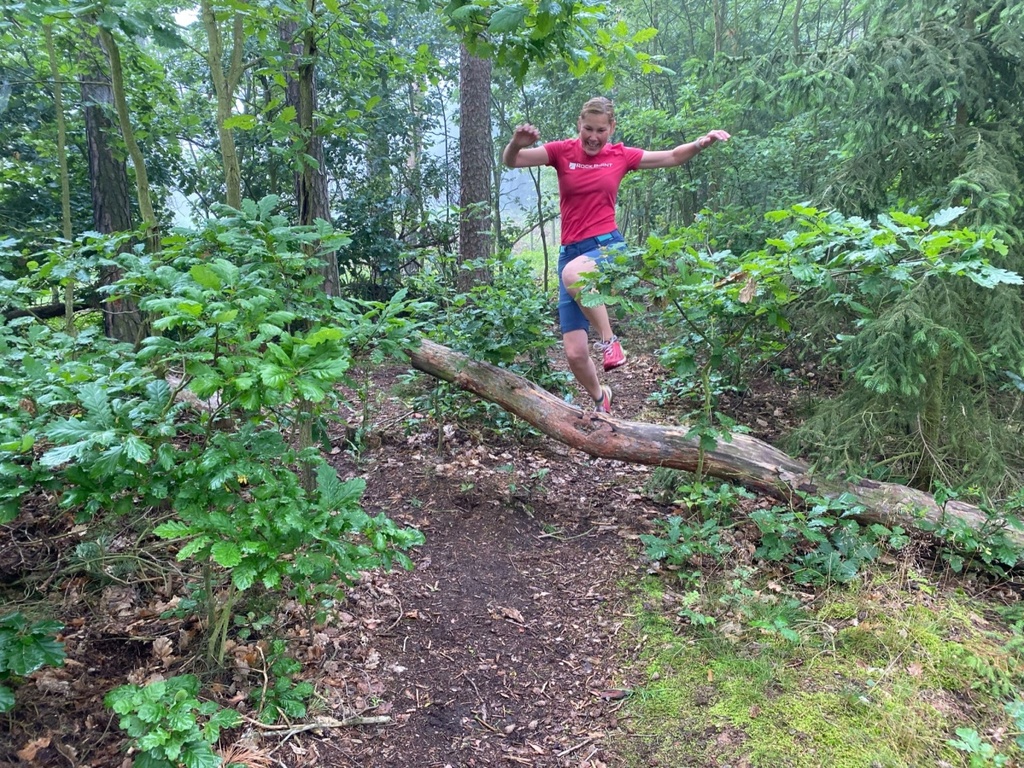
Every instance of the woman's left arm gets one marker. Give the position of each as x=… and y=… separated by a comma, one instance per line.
x=668, y=158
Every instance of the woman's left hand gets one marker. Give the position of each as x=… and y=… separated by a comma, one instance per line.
x=711, y=137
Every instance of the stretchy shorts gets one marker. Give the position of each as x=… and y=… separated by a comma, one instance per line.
x=600, y=248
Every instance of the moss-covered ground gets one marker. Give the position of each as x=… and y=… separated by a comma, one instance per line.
x=741, y=670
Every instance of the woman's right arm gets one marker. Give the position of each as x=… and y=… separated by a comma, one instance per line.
x=519, y=153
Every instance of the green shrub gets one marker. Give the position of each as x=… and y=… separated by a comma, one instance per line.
x=169, y=725
x=24, y=648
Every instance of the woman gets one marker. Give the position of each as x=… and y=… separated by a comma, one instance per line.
x=590, y=170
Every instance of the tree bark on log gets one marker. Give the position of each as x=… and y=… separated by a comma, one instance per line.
x=742, y=459
x=50, y=311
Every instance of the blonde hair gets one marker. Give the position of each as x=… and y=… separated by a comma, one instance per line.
x=598, y=105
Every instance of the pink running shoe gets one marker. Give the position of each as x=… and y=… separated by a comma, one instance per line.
x=604, y=405
x=613, y=354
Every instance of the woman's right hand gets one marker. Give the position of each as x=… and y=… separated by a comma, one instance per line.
x=525, y=135
x=520, y=152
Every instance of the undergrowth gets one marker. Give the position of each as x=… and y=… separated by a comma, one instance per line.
x=798, y=638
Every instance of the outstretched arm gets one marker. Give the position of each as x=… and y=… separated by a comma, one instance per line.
x=518, y=153
x=668, y=158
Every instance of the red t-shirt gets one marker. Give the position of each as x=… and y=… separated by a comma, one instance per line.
x=588, y=186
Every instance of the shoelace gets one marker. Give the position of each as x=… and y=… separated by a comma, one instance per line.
x=601, y=346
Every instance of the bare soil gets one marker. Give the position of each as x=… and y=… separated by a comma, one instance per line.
x=510, y=643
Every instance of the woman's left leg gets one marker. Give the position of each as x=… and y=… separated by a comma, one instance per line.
x=577, y=352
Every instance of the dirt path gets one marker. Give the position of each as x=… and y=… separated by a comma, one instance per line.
x=504, y=645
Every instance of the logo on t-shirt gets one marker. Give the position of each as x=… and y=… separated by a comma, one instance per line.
x=588, y=166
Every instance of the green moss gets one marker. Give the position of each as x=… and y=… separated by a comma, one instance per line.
x=880, y=680
x=843, y=610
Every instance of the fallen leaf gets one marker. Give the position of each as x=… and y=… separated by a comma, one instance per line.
x=512, y=613
x=163, y=649
x=28, y=752
x=748, y=291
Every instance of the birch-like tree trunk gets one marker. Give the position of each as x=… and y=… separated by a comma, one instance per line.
x=224, y=85
x=65, y=180
x=128, y=134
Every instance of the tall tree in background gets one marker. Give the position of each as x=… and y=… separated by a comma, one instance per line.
x=109, y=186
x=928, y=100
x=311, y=197
x=120, y=99
x=476, y=158
x=225, y=83
x=62, y=160
x=514, y=35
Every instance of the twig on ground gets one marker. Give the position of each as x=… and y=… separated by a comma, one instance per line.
x=570, y=750
x=287, y=731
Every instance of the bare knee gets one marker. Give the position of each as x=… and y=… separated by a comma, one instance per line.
x=575, y=345
x=576, y=356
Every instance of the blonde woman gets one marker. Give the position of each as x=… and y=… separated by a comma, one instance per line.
x=590, y=169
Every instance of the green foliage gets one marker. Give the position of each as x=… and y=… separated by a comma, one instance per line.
x=282, y=698
x=917, y=313
x=820, y=542
x=980, y=753
x=987, y=547
x=76, y=391
x=1015, y=709
x=659, y=202
x=712, y=329
x=686, y=543
x=769, y=614
x=24, y=648
x=169, y=725
x=216, y=416
x=506, y=322
x=927, y=93
x=926, y=351
x=270, y=533
x=520, y=34
x=683, y=542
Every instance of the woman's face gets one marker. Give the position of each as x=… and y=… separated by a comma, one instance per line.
x=595, y=131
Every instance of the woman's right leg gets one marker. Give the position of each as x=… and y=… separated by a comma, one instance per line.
x=611, y=349
x=597, y=315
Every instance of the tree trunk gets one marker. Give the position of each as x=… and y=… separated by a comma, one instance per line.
x=128, y=134
x=311, y=195
x=111, y=201
x=720, y=10
x=796, y=25
x=475, y=158
x=413, y=212
x=65, y=179
x=224, y=84
x=742, y=459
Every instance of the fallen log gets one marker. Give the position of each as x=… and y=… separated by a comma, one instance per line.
x=50, y=311
x=741, y=458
